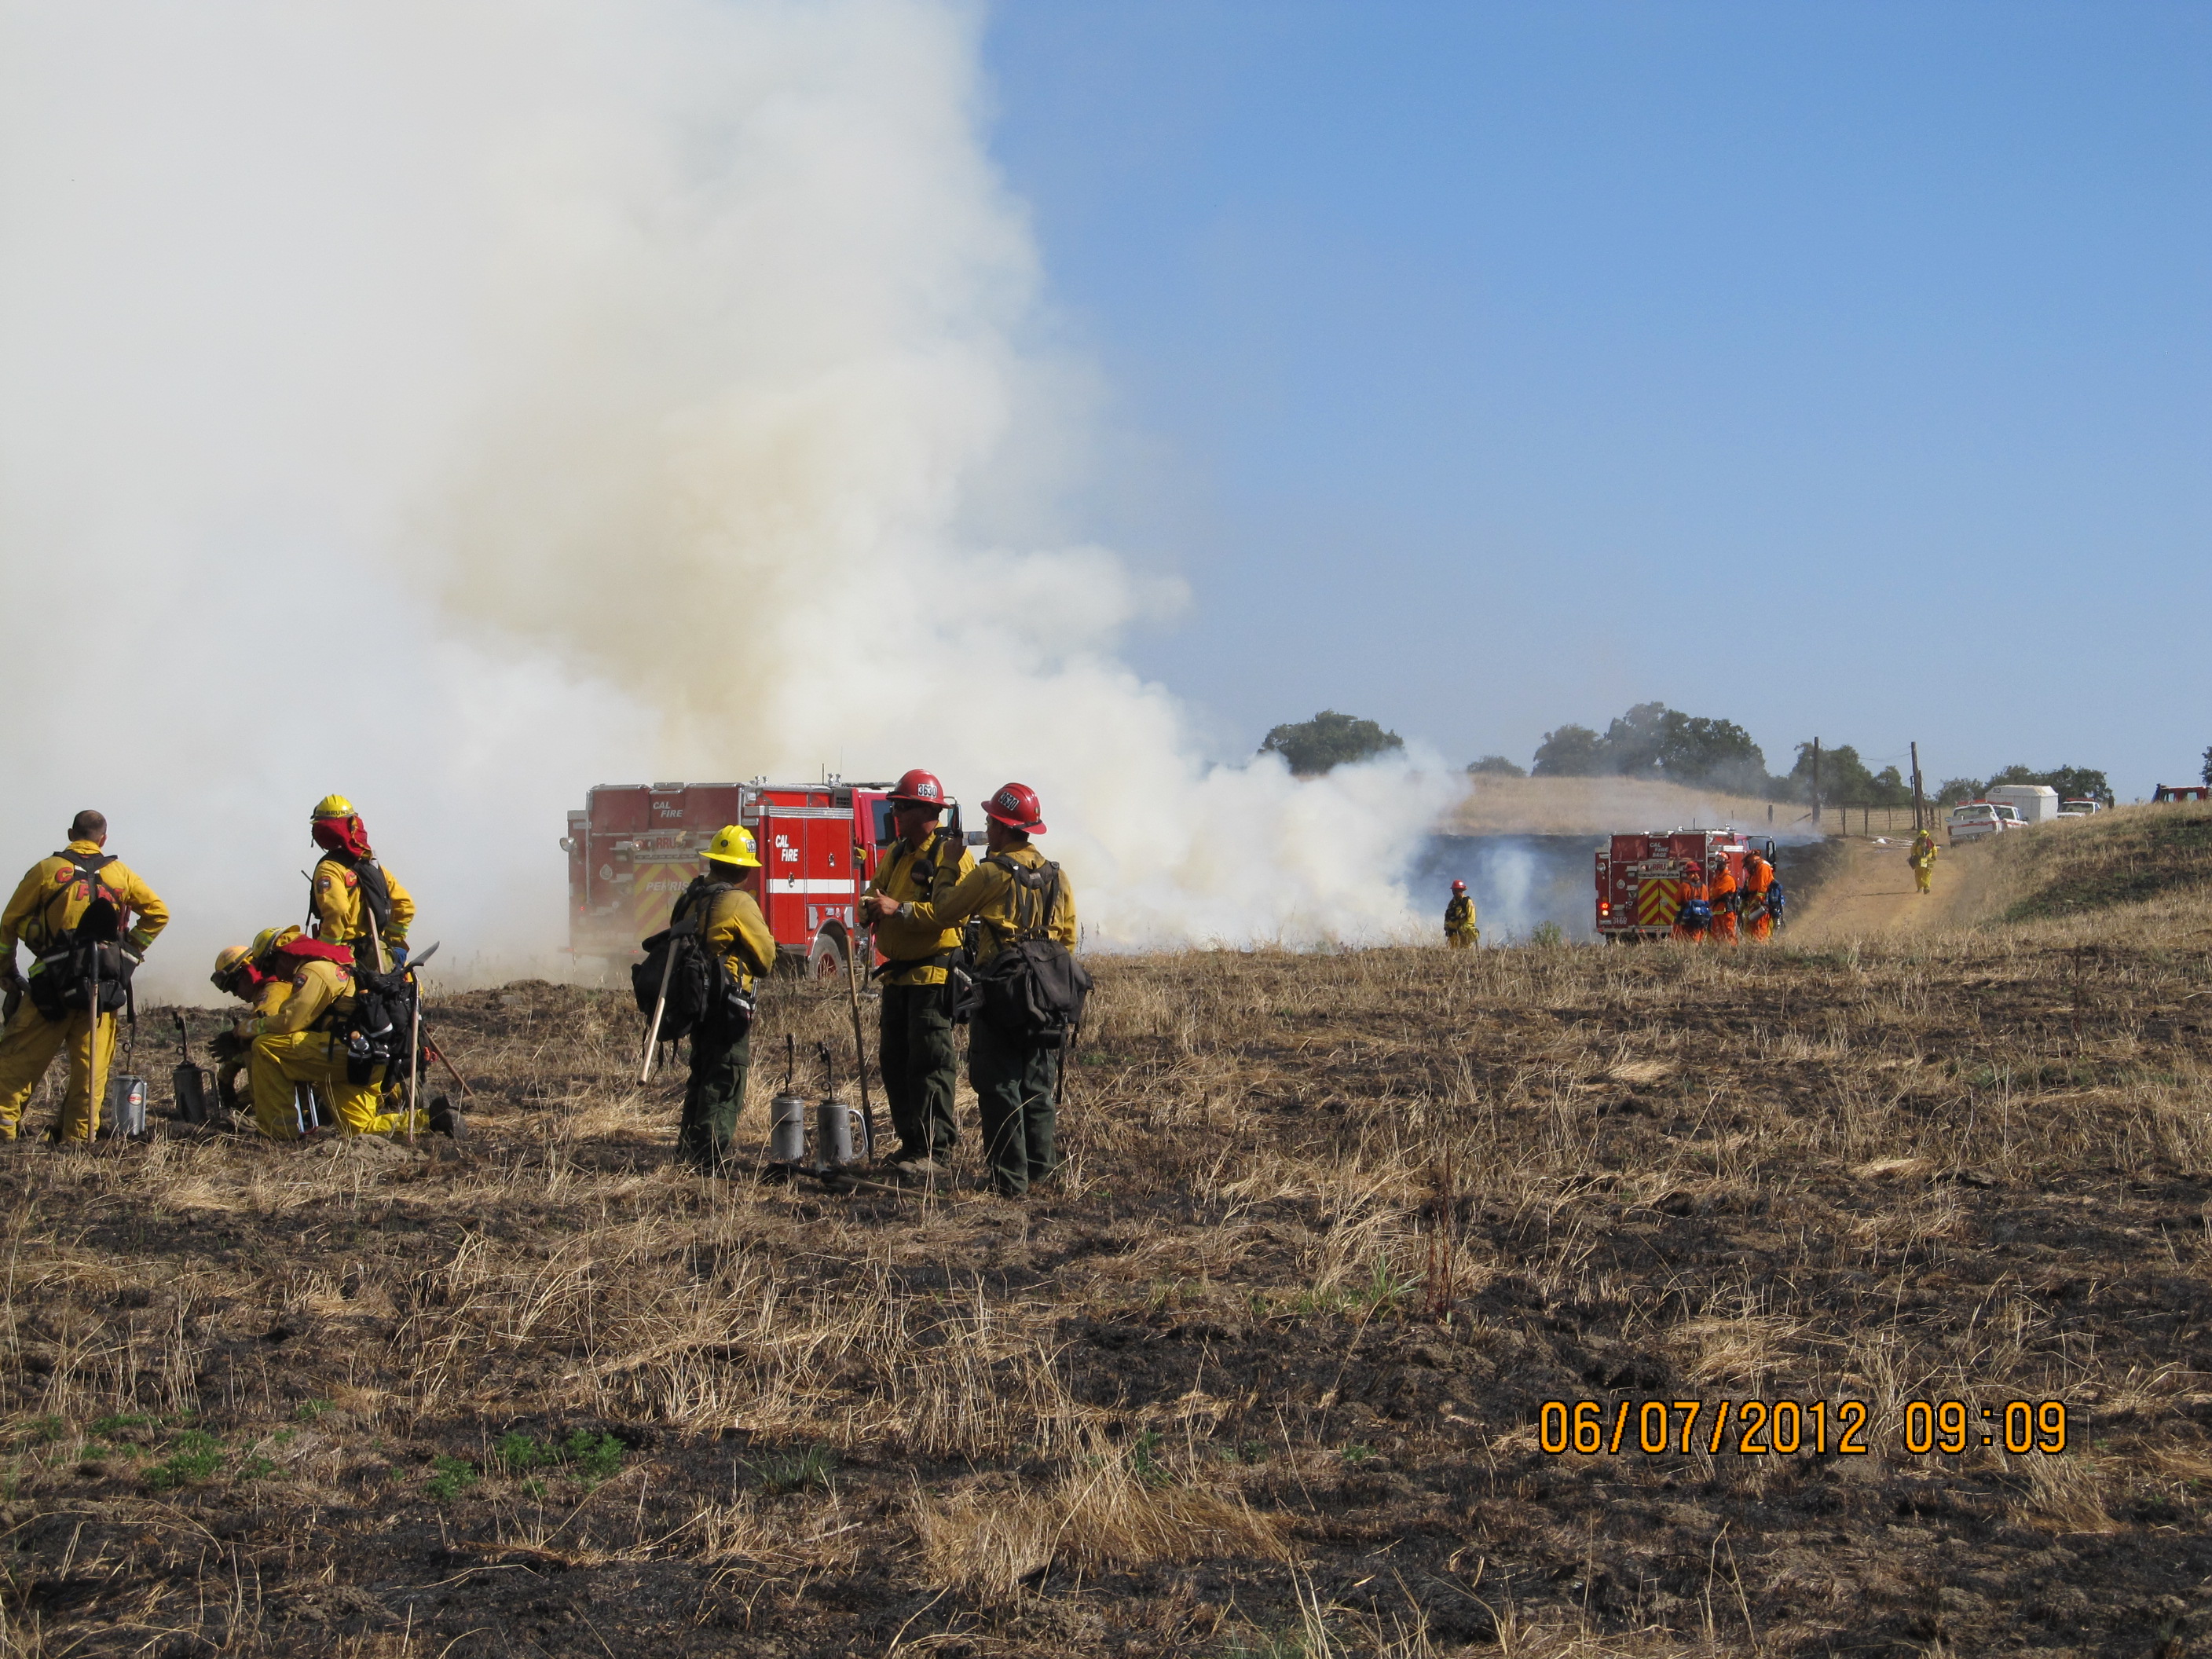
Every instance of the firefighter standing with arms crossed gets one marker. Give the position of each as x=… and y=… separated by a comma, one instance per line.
x=736, y=938
x=915, y=1052
x=1460, y=931
x=1018, y=897
x=50, y=901
x=354, y=901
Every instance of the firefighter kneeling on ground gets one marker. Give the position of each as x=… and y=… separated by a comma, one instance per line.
x=1018, y=897
x=1460, y=931
x=1758, y=887
x=247, y=972
x=1923, y=859
x=304, y=1041
x=737, y=945
x=916, y=1054
x=80, y=884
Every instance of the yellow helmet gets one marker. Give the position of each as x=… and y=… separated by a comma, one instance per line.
x=333, y=806
x=733, y=844
x=270, y=938
x=227, y=961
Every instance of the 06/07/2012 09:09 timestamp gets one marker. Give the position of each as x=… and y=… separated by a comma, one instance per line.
x=1590, y=1428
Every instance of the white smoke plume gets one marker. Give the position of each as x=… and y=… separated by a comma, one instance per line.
x=459, y=405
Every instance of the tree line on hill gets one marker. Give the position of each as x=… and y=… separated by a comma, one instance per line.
x=1656, y=742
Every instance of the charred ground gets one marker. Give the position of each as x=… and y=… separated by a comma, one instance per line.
x=1264, y=1377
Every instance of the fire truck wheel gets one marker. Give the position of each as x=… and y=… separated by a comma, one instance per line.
x=825, y=958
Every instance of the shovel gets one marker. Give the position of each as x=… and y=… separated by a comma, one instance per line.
x=188, y=1083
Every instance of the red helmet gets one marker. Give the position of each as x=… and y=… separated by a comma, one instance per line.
x=1458, y=887
x=1015, y=805
x=920, y=787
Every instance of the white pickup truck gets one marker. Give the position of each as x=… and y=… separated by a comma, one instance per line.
x=1977, y=819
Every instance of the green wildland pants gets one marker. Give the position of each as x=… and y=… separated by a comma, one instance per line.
x=919, y=1066
x=714, y=1097
x=1013, y=1086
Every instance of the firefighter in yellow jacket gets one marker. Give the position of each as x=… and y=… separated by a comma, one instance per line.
x=1014, y=1079
x=247, y=972
x=1922, y=860
x=738, y=942
x=52, y=899
x=304, y=1041
x=355, y=900
x=1460, y=931
x=915, y=1054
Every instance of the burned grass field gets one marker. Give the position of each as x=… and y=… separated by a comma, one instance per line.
x=1267, y=1373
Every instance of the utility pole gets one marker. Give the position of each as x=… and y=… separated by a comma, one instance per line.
x=1917, y=802
x=1816, y=783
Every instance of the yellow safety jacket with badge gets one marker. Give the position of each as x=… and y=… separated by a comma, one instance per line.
x=319, y=996
x=912, y=876
x=1459, y=913
x=987, y=892
x=341, y=913
x=54, y=894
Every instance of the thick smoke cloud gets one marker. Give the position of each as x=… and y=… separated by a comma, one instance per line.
x=456, y=405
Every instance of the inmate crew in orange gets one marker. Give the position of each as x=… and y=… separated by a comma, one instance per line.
x=352, y=899
x=1757, y=883
x=1693, y=913
x=52, y=897
x=1722, y=897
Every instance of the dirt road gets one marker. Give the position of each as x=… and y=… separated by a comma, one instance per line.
x=1871, y=893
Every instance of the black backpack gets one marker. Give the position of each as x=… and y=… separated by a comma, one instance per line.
x=701, y=992
x=382, y=1023
x=87, y=966
x=1032, y=992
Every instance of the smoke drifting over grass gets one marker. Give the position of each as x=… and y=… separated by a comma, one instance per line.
x=457, y=406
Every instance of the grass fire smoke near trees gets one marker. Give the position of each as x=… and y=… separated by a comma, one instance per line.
x=654, y=390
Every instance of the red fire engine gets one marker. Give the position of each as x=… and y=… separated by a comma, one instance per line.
x=635, y=846
x=1640, y=877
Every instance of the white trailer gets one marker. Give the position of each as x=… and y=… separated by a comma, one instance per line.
x=2035, y=803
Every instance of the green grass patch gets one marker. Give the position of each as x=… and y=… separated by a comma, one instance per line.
x=194, y=1456
x=449, y=1477
x=792, y=1472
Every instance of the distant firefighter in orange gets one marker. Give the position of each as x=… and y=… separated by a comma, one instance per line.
x=1758, y=890
x=1695, y=913
x=1724, y=899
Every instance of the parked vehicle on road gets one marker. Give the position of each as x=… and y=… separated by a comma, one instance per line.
x=2031, y=803
x=2079, y=808
x=1977, y=820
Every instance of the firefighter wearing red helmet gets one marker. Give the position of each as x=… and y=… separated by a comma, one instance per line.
x=1018, y=894
x=917, y=1055
x=1460, y=931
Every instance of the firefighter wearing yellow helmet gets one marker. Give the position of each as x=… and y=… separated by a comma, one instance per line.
x=249, y=973
x=72, y=909
x=353, y=900
x=304, y=1042
x=737, y=945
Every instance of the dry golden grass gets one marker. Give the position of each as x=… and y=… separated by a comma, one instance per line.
x=1263, y=1375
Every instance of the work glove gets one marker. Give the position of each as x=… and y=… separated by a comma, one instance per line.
x=11, y=976
x=227, y=1045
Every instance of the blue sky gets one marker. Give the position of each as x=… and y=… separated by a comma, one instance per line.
x=1837, y=370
